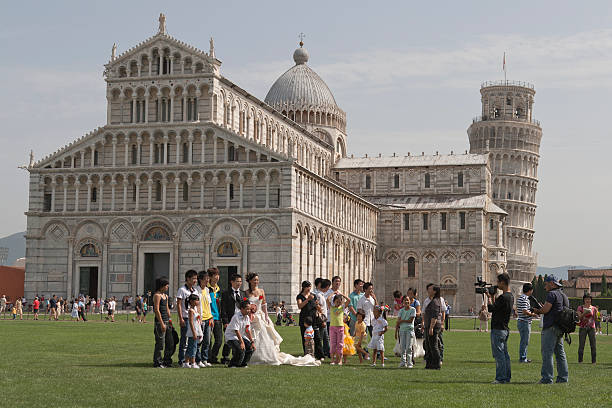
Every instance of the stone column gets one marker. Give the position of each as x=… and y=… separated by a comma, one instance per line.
x=248, y=155
x=89, y=183
x=76, y=195
x=100, y=194
x=227, y=198
x=267, y=191
x=138, y=145
x=114, y=151
x=113, y=185
x=126, y=149
x=133, y=107
x=109, y=107
x=53, y=184
x=136, y=205
x=177, y=182
x=69, y=278
x=254, y=181
x=104, y=271
x=146, y=107
x=82, y=154
x=125, y=192
x=149, y=193
x=225, y=151
x=178, y=149
x=151, y=143
x=203, y=147
x=65, y=185
x=165, y=161
x=164, y=187
x=214, y=138
x=202, y=182
x=189, y=182
x=189, y=159
x=184, y=107
x=241, y=181
x=215, y=183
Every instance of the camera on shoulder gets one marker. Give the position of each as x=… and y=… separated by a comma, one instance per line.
x=483, y=287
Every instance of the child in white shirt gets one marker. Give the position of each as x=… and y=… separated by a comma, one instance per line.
x=377, y=343
x=238, y=336
x=194, y=331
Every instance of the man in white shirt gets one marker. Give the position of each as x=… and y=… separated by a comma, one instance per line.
x=191, y=278
x=321, y=288
x=238, y=336
x=366, y=305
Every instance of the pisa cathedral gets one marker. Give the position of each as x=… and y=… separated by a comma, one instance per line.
x=192, y=171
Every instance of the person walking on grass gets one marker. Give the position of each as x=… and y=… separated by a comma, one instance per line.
x=163, y=325
x=500, y=307
x=74, y=313
x=587, y=313
x=207, y=319
x=112, y=306
x=360, y=337
x=3, y=304
x=483, y=317
x=336, y=330
x=433, y=324
x=19, y=307
x=552, y=337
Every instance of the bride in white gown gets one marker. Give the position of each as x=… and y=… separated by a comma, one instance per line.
x=267, y=339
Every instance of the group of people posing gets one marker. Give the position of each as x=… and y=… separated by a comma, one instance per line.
x=211, y=321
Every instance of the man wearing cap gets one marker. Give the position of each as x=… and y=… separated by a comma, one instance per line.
x=552, y=337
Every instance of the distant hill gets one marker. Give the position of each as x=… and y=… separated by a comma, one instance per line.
x=561, y=271
x=16, y=244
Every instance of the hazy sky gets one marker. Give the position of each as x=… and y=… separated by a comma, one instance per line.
x=406, y=73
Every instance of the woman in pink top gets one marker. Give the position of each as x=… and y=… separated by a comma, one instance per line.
x=587, y=314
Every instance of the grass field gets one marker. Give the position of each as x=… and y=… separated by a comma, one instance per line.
x=96, y=364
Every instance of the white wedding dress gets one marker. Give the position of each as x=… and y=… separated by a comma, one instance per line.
x=267, y=342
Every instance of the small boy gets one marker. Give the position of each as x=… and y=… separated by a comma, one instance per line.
x=238, y=336
x=309, y=336
x=14, y=312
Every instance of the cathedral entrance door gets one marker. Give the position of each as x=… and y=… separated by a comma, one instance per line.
x=88, y=281
x=225, y=272
x=156, y=265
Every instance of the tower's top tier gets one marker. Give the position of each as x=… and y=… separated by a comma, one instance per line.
x=508, y=101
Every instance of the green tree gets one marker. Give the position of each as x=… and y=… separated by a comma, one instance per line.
x=604, y=286
x=540, y=292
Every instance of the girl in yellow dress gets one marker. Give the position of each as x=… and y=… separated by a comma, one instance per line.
x=348, y=349
x=360, y=337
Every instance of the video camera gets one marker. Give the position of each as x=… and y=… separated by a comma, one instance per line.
x=483, y=287
x=534, y=304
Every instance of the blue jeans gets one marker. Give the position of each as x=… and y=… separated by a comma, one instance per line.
x=202, y=353
x=524, y=328
x=499, y=347
x=182, y=348
x=552, y=344
x=192, y=347
x=405, y=340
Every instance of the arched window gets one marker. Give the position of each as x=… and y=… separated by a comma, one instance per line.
x=411, y=267
x=185, y=153
x=158, y=191
x=427, y=180
x=185, y=191
x=95, y=158
x=231, y=191
x=396, y=181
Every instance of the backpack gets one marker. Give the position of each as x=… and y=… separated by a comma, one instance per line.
x=567, y=320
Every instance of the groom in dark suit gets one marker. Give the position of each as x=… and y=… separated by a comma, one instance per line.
x=230, y=301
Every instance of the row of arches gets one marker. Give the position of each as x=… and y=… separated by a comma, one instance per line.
x=159, y=61
x=325, y=252
x=485, y=135
x=330, y=204
x=516, y=164
x=183, y=190
x=516, y=189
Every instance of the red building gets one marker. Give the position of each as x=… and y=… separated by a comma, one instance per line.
x=580, y=281
x=11, y=282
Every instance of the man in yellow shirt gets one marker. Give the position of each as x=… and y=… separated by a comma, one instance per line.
x=215, y=300
x=207, y=319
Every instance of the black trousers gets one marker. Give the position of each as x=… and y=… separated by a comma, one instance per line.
x=240, y=358
x=432, y=351
x=165, y=342
x=217, y=334
x=318, y=344
x=441, y=345
x=583, y=332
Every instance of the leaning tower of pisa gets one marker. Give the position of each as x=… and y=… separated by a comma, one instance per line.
x=508, y=132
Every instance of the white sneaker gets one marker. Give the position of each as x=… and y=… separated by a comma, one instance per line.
x=383, y=365
x=373, y=364
x=202, y=364
x=186, y=365
x=194, y=365
x=207, y=364
x=410, y=365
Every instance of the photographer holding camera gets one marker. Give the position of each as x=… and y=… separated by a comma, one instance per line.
x=501, y=309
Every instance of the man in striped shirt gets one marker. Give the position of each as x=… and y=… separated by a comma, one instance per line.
x=524, y=321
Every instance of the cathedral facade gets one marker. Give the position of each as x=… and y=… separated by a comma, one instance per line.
x=191, y=171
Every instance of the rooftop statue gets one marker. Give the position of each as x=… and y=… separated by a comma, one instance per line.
x=162, y=23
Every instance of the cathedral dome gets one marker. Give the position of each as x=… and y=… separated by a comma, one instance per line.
x=303, y=96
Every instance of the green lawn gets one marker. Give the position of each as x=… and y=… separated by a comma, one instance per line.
x=70, y=364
